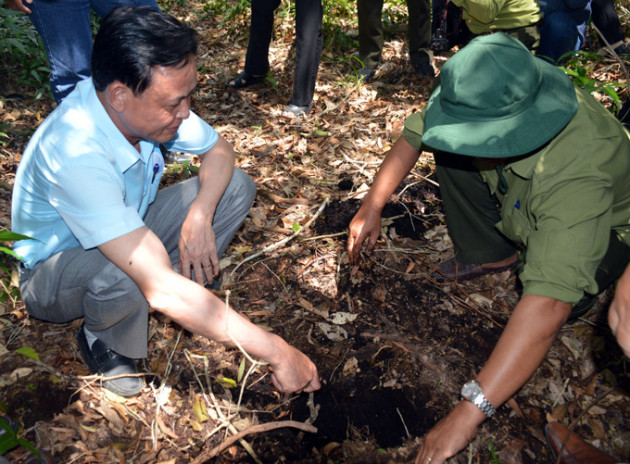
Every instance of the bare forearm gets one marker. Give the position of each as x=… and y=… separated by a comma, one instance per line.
x=619, y=312
x=531, y=330
x=141, y=255
x=397, y=164
x=200, y=312
x=524, y=343
x=215, y=174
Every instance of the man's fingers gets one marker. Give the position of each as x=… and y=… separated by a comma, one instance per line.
x=355, y=243
x=313, y=385
x=184, y=267
x=199, y=271
x=371, y=243
x=214, y=259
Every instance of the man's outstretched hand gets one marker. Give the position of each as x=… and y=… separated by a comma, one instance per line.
x=366, y=224
x=294, y=372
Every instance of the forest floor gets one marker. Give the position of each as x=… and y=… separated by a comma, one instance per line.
x=393, y=345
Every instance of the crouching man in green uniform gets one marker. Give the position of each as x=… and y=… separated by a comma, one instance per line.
x=526, y=162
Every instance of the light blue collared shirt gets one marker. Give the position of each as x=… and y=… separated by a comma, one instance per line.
x=80, y=182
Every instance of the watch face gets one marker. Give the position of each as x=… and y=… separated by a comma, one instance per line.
x=469, y=388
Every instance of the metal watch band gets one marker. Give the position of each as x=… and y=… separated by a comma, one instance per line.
x=471, y=391
x=482, y=403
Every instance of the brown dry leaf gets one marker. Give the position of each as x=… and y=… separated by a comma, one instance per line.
x=559, y=412
x=164, y=428
x=512, y=453
x=597, y=427
x=115, y=421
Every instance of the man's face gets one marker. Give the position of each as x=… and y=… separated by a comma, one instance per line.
x=157, y=113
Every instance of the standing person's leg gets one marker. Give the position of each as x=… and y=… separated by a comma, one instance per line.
x=103, y=7
x=260, y=32
x=64, y=27
x=563, y=29
x=257, y=58
x=471, y=212
x=309, y=43
x=419, y=34
x=605, y=18
x=370, y=14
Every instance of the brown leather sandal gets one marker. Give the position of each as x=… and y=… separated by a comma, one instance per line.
x=452, y=269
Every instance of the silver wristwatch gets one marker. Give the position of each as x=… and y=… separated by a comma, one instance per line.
x=471, y=391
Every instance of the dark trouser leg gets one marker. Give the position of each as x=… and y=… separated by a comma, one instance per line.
x=260, y=30
x=613, y=263
x=558, y=35
x=419, y=31
x=606, y=20
x=370, y=31
x=309, y=44
x=471, y=212
x=610, y=269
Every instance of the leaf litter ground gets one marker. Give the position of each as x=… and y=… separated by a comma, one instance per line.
x=392, y=344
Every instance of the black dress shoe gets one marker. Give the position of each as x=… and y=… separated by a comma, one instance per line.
x=102, y=360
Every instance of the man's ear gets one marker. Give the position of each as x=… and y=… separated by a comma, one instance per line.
x=118, y=95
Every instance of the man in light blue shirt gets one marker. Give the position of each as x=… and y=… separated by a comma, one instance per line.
x=105, y=240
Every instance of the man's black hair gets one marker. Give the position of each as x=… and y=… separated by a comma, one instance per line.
x=131, y=41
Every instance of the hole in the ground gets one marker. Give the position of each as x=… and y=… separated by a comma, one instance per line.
x=385, y=414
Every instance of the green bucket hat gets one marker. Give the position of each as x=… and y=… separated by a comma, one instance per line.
x=497, y=100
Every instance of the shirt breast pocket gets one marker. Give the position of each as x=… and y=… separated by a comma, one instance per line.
x=515, y=224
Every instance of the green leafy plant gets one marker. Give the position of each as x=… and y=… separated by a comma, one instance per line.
x=186, y=169
x=9, y=439
x=9, y=289
x=579, y=67
x=8, y=236
x=23, y=51
x=3, y=135
x=233, y=12
x=493, y=454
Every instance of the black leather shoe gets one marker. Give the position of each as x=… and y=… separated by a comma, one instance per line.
x=366, y=74
x=425, y=69
x=102, y=360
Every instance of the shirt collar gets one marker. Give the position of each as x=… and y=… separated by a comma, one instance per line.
x=124, y=154
x=525, y=166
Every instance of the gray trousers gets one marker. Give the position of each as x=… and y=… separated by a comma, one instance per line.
x=84, y=283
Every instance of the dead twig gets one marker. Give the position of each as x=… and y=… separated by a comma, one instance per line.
x=278, y=244
x=278, y=199
x=204, y=457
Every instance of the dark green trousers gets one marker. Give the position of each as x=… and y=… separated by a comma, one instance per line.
x=471, y=213
x=371, y=31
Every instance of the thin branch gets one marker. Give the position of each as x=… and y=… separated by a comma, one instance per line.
x=248, y=431
x=278, y=244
